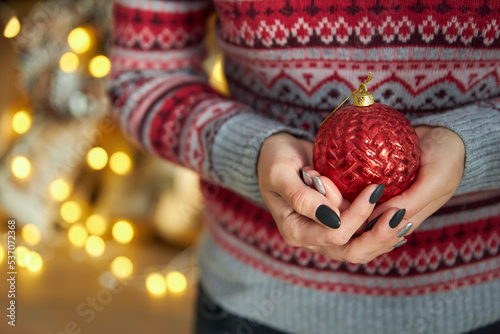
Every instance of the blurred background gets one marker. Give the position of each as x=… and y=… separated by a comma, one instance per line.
x=105, y=234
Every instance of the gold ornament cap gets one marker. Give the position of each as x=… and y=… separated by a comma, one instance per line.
x=362, y=97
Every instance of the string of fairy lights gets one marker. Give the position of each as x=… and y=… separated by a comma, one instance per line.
x=87, y=232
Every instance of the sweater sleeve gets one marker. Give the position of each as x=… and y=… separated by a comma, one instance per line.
x=479, y=127
x=162, y=100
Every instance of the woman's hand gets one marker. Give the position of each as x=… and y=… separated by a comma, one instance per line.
x=441, y=169
x=321, y=223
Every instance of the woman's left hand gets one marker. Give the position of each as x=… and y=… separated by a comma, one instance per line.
x=441, y=169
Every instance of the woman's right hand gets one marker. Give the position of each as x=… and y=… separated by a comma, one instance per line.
x=325, y=224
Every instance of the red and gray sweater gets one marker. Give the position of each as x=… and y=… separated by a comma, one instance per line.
x=288, y=64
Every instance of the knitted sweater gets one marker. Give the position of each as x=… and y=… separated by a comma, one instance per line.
x=288, y=64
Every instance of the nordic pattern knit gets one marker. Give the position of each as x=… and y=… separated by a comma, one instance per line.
x=288, y=64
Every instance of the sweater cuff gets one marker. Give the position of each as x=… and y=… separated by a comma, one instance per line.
x=479, y=128
x=236, y=151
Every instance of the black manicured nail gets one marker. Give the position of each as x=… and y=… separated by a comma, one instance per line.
x=397, y=218
x=327, y=216
x=399, y=244
x=306, y=178
x=377, y=193
x=372, y=222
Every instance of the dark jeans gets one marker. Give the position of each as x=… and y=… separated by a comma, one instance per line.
x=212, y=319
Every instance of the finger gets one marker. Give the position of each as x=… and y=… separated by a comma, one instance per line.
x=362, y=207
x=330, y=189
x=425, y=196
x=388, y=233
x=296, y=229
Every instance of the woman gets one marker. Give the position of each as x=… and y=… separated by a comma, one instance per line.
x=279, y=255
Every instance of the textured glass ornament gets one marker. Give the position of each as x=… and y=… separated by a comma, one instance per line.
x=367, y=143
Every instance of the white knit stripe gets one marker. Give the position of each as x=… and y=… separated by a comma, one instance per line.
x=441, y=221
x=390, y=53
x=174, y=7
x=135, y=55
x=297, y=309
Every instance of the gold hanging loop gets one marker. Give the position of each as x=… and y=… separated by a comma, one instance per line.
x=362, y=97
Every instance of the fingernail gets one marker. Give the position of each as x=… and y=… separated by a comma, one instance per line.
x=401, y=243
x=327, y=216
x=397, y=218
x=319, y=185
x=372, y=222
x=402, y=232
x=306, y=178
x=377, y=193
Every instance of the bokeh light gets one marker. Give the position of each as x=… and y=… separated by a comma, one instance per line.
x=21, y=167
x=59, y=190
x=176, y=282
x=122, y=231
x=122, y=267
x=35, y=262
x=31, y=234
x=22, y=256
x=99, y=66
x=96, y=224
x=120, y=163
x=155, y=284
x=21, y=122
x=71, y=211
x=77, y=235
x=2, y=253
x=97, y=158
x=69, y=62
x=95, y=246
x=79, y=40
x=12, y=28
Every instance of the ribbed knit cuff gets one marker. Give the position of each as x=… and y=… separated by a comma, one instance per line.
x=236, y=150
x=479, y=128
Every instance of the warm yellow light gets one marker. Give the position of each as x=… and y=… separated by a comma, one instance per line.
x=96, y=224
x=2, y=253
x=20, y=167
x=31, y=234
x=77, y=235
x=71, y=211
x=120, y=163
x=122, y=232
x=122, y=267
x=155, y=284
x=79, y=40
x=217, y=78
x=21, y=122
x=176, y=282
x=59, y=190
x=23, y=255
x=69, y=62
x=97, y=158
x=95, y=246
x=99, y=66
x=35, y=262
x=12, y=28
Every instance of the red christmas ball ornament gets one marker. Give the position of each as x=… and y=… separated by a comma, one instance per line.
x=367, y=143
